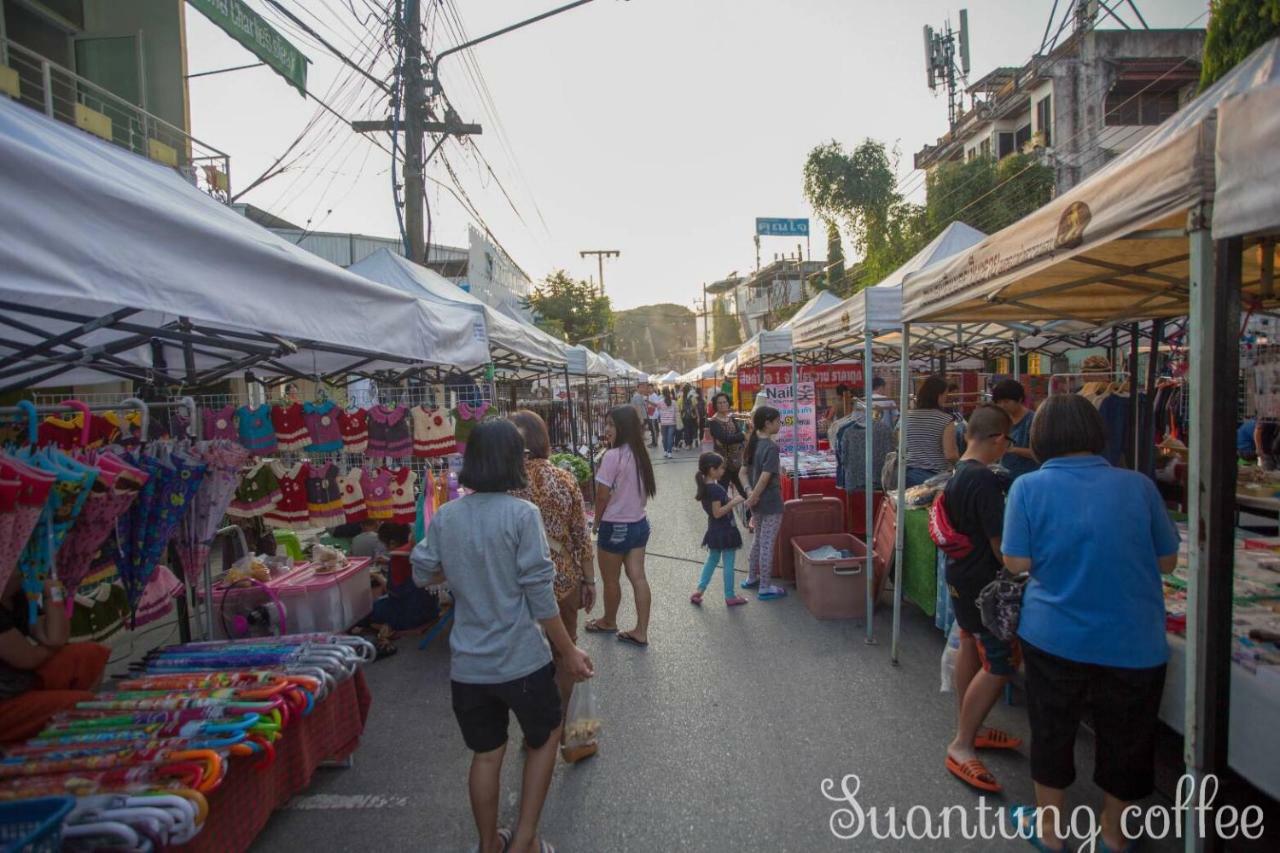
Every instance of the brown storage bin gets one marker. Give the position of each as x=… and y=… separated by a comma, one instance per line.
x=834, y=589
x=804, y=516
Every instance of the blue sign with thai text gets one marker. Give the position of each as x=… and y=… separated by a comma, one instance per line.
x=782, y=227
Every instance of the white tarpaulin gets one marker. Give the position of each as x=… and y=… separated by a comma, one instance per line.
x=765, y=343
x=1113, y=247
x=823, y=301
x=90, y=228
x=879, y=308
x=583, y=362
x=520, y=339
x=1247, y=200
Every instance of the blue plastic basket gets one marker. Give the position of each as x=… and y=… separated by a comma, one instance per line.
x=33, y=826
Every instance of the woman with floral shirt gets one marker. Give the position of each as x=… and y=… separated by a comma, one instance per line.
x=556, y=495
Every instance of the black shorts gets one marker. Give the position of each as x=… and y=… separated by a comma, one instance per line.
x=483, y=710
x=1125, y=705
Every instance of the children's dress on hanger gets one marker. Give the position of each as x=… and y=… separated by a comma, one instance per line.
x=377, y=493
x=258, y=491
x=403, y=510
x=291, y=510
x=324, y=496
x=220, y=425
x=389, y=432
x=257, y=433
x=433, y=432
x=354, y=426
x=290, y=426
x=353, y=506
x=322, y=427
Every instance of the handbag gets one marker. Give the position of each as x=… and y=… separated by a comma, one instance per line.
x=950, y=541
x=1000, y=604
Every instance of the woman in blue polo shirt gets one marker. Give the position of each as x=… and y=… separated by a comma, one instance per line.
x=1096, y=540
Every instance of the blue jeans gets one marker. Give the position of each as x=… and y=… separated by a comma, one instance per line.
x=668, y=437
x=708, y=569
x=916, y=476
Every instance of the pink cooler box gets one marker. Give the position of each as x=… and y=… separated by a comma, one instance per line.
x=835, y=589
x=328, y=602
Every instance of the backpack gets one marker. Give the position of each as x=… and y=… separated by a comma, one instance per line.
x=950, y=541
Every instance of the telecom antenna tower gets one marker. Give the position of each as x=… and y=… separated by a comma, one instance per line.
x=940, y=55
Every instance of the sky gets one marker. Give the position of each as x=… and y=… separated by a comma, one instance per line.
x=659, y=128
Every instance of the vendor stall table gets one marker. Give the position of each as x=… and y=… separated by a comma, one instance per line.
x=241, y=807
x=919, y=577
x=1253, y=749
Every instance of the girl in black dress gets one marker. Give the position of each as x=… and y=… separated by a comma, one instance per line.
x=722, y=538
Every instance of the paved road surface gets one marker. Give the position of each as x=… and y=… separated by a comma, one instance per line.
x=717, y=737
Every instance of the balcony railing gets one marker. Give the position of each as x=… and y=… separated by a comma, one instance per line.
x=59, y=93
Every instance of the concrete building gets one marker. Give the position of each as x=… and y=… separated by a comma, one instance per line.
x=1093, y=97
x=114, y=68
x=775, y=285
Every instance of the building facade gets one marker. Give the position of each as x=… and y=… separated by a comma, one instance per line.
x=1095, y=96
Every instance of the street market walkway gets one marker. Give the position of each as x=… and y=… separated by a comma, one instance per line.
x=717, y=737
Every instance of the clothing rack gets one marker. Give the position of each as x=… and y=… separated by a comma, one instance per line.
x=34, y=410
x=1088, y=376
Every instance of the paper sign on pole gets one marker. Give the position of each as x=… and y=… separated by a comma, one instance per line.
x=799, y=416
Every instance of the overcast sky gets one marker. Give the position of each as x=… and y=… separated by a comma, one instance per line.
x=660, y=128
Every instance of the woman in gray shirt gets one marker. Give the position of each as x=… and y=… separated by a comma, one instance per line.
x=489, y=547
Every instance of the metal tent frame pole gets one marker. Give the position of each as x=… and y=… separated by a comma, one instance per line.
x=899, y=539
x=795, y=420
x=868, y=486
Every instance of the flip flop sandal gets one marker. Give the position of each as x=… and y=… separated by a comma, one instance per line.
x=1022, y=820
x=975, y=774
x=625, y=637
x=504, y=835
x=996, y=739
x=750, y=584
x=696, y=598
x=735, y=601
x=386, y=649
x=594, y=627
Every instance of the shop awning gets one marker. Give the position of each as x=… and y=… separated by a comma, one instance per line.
x=1247, y=198
x=104, y=251
x=879, y=308
x=1114, y=247
x=511, y=342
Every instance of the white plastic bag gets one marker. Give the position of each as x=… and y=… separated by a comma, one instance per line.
x=949, y=653
x=582, y=724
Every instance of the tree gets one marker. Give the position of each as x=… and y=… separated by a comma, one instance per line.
x=859, y=188
x=984, y=193
x=833, y=278
x=724, y=327
x=571, y=309
x=1236, y=29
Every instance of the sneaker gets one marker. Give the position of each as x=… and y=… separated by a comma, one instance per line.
x=750, y=584
x=768, y=593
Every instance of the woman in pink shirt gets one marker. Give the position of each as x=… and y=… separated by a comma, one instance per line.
x=624, y=483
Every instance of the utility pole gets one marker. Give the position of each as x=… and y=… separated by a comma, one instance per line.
x=415, y=104
x=601, y=254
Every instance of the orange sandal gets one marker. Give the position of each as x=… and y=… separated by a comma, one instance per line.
x=975, y=774
x=996, y=739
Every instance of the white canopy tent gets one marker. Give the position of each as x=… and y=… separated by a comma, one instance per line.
x=667, y=378
x=1134, y=241
x=706, y=370
x=823, y=301
x=105, y=251
x=512, y=344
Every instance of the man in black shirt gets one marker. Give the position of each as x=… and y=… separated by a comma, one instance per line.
x=974, y=501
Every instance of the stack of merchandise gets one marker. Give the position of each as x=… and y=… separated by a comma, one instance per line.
x=811, y=464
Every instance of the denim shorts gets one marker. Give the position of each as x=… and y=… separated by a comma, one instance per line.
x=619, y=537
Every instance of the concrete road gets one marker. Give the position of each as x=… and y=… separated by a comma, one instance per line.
x=718, y=737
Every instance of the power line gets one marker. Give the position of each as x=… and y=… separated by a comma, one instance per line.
x=335, y=51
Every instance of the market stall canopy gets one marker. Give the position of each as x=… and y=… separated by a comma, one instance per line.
x=583, y=362
x=707, y=370
x=667, y=378
x=822, y=302
x=508, y=338
x=101, y=246
x=1113, y=247
x=879, y=308
x=763, y=344
x=1247, y=199
x=631, y=372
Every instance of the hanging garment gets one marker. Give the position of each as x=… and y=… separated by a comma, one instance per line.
x=390, y=433
x=290, y=510
x=426, y=506
x=257, y=492
x=175, y=476
x=63, y=433
x=157, y=598
x=111, y=496
x=354, y=426
x=72, y=484
x=223, y=461
x=220, y=425
x=353, y=506
x=433, y=432
x=128, y=428
x=323, y=430
x=324, y=496
x=403, y=510
x=290, y=426
x=377, y=493
x=257, y=434
x=29, y=499
x=466, y=417
x=850, y=446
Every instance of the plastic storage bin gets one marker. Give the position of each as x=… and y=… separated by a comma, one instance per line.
x=804, y=516
x=328, y=602
x=834, y=589
x=33, y=826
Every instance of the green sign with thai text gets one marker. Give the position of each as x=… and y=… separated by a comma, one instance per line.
x=248, y=27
